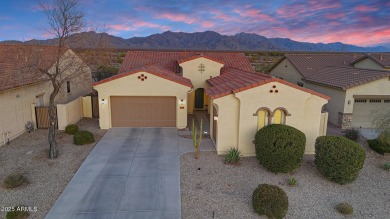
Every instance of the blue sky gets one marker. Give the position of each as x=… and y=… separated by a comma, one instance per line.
x=358, y=22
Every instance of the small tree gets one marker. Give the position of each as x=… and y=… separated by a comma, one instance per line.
x=195, y=140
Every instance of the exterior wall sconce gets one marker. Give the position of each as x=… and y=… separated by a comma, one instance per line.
x=349, y=102
x=216, y=118
x=181, y=104
x=103, y=101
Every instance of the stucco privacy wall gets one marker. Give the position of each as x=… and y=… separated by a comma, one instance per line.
x=236, y=115
x=15, y=108
x=132, y=86
x=287, y=71
x=335, y=104
x=369, y=64
x=69, y=113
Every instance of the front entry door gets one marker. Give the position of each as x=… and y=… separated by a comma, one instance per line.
x=199, y=98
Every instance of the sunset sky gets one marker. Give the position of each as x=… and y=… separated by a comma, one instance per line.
x=357, y=22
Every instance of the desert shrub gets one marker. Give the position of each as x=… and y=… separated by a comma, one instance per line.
x=292, y=182
x=386, y=166
x=280, y=148
x=71, y=129
x=352, y=134
x=270, y=200
x=83, y=137
x=15, y=180
x=384, y=137
x=378, y=146
x=344, y=208
x=17, y=213
x=338, y=158
x=233, y=156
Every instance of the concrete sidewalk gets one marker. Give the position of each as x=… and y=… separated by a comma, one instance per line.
x=131, y=173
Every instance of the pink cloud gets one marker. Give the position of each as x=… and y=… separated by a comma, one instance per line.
x=207, y=24
x=135, y=25
x=178, y=18
x=255, y=14
x=364, y=8
x=222, y=16
x=335, y=15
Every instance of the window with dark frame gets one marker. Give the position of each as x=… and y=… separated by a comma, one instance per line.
x=68, y=87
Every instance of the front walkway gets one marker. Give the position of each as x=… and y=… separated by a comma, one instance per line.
x=131, y=173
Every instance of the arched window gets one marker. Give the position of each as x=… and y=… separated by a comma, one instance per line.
x=279, y=117
x=262, y=118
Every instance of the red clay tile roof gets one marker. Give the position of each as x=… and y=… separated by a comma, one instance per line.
x=14, y=59
x=169, y=60
x=189, y=58
x=382, y=59
x=234, y=80
x=152, y=69
x=345, y=77
x=308, y=64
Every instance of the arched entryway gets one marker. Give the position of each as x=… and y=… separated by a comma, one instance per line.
x=199, y=99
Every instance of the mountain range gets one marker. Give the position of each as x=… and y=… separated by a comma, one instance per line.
x=208, y=40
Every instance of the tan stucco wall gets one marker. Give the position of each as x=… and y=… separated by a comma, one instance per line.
x=69, y=113
x=16, y=110
x=80, y=79
x=287, y=71
x=369, y=64
x=87, y=106
x=336, y=103
x=190, y=71
x=237, y=126
x=131, y=86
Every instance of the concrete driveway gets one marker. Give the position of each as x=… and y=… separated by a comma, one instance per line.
x=131, y=173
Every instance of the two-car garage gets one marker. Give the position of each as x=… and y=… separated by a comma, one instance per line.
x=143, y=111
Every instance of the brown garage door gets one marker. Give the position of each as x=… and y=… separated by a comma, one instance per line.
x=143, y=111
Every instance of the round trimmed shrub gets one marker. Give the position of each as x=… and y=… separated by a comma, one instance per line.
x=338, y=158
x=280, y=148
x=71, y=129
x=344, y=208
x=270, y=200
x=83, y=137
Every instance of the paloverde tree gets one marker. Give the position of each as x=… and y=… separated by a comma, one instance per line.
x=65, y=17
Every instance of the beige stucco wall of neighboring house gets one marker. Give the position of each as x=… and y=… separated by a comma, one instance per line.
x=198, y=79
x=335, y=105
x=80, y=78
x=70, y=113
x=132, y=86
x=237, y=125
x=367, y=63
x=16, y=110
x=287, y=71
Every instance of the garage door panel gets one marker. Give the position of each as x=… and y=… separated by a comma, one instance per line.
x=362, y=113
x=143, y=111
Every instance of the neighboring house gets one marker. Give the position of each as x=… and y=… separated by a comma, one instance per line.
x=21, y=89
x=159, y=89
x=355, y=93
x=375, y=61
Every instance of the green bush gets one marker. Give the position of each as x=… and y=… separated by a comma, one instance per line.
x=15, y=180
x=384, y=137
x=292, y=182
x=280, y=148
x=270, y=200
x=386, y=166
x=83, y=137
x=352, y=134
x=338, y=158
x=71, y=129
x=378, y=146
x=233, y=156
x=17, y=213
x=344, y=208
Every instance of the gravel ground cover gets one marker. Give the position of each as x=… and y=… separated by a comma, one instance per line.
x=211, y=188
x=27, y=155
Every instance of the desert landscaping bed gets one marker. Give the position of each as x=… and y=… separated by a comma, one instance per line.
x=27, y=155
x=211, y=188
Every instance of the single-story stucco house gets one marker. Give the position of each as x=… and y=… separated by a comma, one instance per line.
x=159, y=89
x=355, y=92
x=376, y=61
x=22, y=89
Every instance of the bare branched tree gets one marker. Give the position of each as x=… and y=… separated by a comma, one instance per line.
x=65, y=17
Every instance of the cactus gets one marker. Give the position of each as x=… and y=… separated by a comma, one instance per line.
x=196, y=141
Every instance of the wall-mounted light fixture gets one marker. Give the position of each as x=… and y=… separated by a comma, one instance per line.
x=103, y=101
x=216, y=118
x=349, y=101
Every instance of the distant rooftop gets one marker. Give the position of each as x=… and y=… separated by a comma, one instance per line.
x=383, y=59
